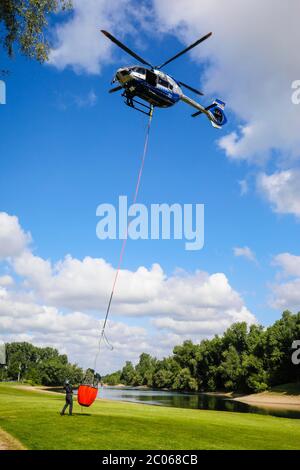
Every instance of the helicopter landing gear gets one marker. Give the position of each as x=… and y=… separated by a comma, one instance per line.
x=137, y=105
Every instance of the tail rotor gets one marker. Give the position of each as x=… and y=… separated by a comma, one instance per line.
x=215, y=113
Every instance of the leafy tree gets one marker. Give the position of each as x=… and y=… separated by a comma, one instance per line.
x=145, y=370
x=278, y=342
x=236, y=336
x=165, y=373
x=74, y=373
x=19, y=357
x=209, y=358
x=255, y=342
x=187, y=355
x=163, y=378
x=23, y=23
x=231, y=369
x=40, y=365
x=112, y=379
x=128, y=374
x=255, y=375
x=184, y=381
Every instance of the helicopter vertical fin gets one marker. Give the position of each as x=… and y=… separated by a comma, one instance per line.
x=217, y=109
x=217, y=118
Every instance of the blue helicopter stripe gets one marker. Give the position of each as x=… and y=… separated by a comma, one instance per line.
x=174, y=97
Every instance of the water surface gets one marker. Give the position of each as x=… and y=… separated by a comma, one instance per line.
x=189, y=400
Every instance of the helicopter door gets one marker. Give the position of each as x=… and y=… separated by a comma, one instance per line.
x=151, y=78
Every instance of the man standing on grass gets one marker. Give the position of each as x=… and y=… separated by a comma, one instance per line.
x=69, y=398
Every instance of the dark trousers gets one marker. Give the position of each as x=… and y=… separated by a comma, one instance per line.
x=69, y=402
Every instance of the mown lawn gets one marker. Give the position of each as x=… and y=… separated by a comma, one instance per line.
x=33, y=418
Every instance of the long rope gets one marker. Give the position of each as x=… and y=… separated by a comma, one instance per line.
x=102, y=335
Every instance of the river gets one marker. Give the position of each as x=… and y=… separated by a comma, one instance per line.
x=189, y=400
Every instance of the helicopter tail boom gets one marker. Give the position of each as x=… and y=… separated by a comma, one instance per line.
x=214, y=112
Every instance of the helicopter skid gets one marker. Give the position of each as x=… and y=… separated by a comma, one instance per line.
x=137, y=105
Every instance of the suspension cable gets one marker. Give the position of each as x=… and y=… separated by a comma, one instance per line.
x=102, y=335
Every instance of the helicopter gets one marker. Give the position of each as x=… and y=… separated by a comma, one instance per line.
x=158, y=89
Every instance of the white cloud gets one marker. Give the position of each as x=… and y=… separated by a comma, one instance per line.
x=282, y=190
x=59, y=305
x=79, y=43
x=13, y=239
x=290, y=264
x=67, y=100
x=85, y=284
x=74, y=333
x=252, y=64
x=286, y=295
x=87, y=101
x=215, y=322
x=245, y=252
x=72, y=283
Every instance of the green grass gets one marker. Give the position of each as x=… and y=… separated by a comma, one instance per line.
x=33, y=418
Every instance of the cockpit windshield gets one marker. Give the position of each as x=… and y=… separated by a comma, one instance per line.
x=139, y=70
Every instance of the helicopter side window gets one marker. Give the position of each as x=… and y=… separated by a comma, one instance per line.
x=163, y=82
x=140, y=70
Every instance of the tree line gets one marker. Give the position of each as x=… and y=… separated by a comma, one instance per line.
x=38, y=366
x=243, y=359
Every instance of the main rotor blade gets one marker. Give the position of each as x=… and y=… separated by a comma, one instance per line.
x=125, y=48
x=191, y=88
x=185, y=50
x=117, y=88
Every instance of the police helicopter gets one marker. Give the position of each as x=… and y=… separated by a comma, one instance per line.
x=159, y=89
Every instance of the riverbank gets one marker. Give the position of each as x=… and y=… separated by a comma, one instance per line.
x=33, y=419
x=284, y=396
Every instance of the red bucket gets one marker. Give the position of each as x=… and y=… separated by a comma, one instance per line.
x=87, y=395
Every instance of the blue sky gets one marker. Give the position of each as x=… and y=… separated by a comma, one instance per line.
x=67, y=146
